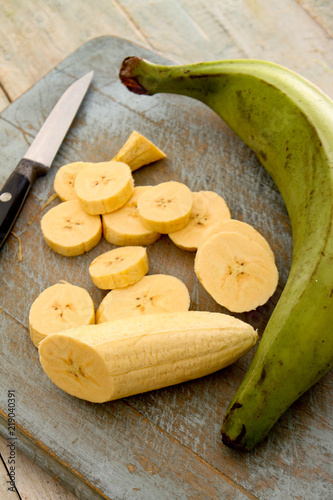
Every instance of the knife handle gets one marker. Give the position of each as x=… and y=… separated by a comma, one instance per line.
x=14, y=192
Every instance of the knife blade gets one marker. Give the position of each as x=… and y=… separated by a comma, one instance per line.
x=40, y=155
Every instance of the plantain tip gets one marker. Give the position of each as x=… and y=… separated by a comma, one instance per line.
x=236, y=443
x=127, y=77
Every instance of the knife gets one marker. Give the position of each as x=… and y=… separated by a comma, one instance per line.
x=40, y=155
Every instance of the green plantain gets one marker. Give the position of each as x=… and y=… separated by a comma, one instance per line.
x=288, y=123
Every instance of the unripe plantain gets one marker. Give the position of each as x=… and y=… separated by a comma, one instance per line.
x=296, y=349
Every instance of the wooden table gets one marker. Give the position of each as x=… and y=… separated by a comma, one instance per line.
x=36, y=36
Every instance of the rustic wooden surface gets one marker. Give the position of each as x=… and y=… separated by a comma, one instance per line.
x=165, y=444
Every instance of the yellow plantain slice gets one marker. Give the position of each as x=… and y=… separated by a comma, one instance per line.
x=124, y=227
x=208, y=208
x=119, y=267
x=65, y=178
x=156, y=293
x=236, y=271
x=60, y=307
x=237, y=226
x=69, y=230
x=166, y=207
x=104, y=187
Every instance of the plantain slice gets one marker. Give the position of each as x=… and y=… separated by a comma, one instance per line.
x=156, y=293
x=124, y=227
x=65, y=178
x=239, y=227
x=166, y=207
x=119, y=267
x=104, y=187
x=60, y=307
x=208, y=208
x=236, y=271
x=69, y=230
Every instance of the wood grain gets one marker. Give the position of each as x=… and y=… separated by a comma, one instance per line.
x=321, y=12
x=32, y=483
x=280, y=32
x=4, y=100
x=163, y=444
x=38, y=35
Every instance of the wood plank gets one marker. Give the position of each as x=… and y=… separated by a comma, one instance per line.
x=32, y=483
x=187, y=415
x=4, y=492
x=281, y=32
x=38, y=35
x=188, y=29
x=4, y=101
x=321, y=11
x=164, y=444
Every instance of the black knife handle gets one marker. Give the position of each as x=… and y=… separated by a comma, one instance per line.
x=14, y=192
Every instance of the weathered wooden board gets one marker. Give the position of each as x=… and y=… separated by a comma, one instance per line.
x=164, y=444
x=35, y=35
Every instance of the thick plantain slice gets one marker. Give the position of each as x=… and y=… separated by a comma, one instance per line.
x=155, y=293
x=237, y=226
x=104, y=187
x=58, y=308
x=236, y=271
x=208, y=208
x=166, y=207
x=124, y=227
x=69, y=230
x=65, y=178
x=119, y=267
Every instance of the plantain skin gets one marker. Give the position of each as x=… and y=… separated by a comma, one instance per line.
x=288, y=123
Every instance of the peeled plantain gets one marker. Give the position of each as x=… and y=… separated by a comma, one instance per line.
x=296, y=149
x=129, y=356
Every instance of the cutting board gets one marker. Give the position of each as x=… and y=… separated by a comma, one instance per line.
x=164, y=444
